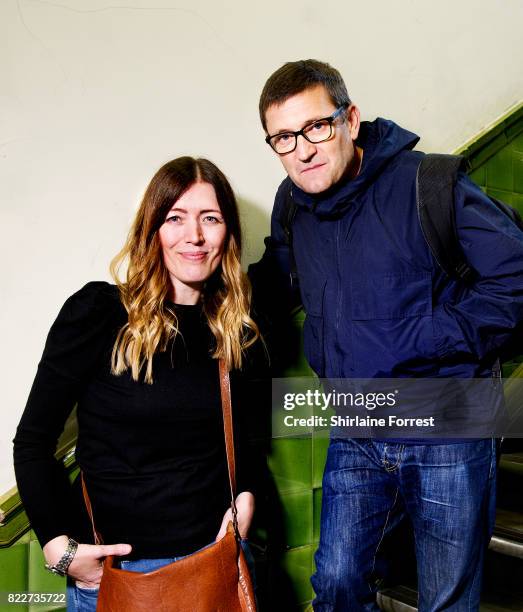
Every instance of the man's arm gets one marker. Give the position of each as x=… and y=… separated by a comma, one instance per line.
x=274, y=295
x=482, y=320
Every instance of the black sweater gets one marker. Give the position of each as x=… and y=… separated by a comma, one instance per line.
x=153, y=456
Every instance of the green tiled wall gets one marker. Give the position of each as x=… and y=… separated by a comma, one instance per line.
x=290, y=462
x=501, y=176
x=296, y=465
x=298, y=564
x=22, y=569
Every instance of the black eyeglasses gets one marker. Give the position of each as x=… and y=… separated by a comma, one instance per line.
x=314, y=132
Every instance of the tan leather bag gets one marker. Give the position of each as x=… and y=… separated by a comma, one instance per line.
x=214, y=579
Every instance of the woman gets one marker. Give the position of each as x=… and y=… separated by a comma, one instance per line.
x=140, y=361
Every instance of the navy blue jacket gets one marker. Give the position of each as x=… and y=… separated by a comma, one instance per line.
x=377, y=304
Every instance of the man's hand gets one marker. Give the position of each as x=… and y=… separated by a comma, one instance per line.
x=245, y=507
x=86, y=567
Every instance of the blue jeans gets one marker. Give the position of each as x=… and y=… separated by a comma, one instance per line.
x=84, y=600
x=447, y=491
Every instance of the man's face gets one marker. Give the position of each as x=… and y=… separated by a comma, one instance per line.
x=315, y=167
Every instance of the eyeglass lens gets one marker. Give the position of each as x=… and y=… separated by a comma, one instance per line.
x=316, y=132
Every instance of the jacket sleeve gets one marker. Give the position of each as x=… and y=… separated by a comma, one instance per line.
x=72, y=351
x=274, y=296
x=251, y=389
x=482, y=319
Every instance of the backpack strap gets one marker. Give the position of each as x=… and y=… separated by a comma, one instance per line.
x=286, y=218
x=435, y=180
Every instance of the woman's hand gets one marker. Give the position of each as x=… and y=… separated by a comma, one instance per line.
x=86, y=566
x=245, y=507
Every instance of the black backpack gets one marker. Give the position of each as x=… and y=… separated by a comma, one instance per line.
x=435, y=180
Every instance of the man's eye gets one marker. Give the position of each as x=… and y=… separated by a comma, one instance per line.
x=319, y=125
x=282, y=138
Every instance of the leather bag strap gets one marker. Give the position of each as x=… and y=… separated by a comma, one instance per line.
x=225, y=391
x=97, y=536
x=225, y=388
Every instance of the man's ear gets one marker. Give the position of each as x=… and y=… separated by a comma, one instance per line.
x=353, y=120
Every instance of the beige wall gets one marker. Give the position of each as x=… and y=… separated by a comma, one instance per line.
x=95, y=95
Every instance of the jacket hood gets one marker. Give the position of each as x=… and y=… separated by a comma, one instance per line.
x=380, y=140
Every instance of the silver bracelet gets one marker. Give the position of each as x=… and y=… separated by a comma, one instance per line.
x=63, y=564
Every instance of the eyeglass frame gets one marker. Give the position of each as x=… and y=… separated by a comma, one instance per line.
x=331, y=119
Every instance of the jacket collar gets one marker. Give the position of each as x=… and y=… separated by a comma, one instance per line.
x=380, y=140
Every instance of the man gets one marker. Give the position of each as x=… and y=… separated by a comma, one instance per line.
x=378, y=305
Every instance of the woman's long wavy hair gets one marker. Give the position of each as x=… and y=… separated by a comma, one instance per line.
x=146, y=292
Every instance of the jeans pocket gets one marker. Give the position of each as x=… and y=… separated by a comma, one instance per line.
x=81, y=599
x=88, y=589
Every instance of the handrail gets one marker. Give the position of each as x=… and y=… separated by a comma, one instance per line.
x=493, y=137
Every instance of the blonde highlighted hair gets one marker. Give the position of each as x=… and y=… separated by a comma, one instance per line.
x=146, y=291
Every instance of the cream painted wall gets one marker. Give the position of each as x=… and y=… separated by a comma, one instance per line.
x=96, y=94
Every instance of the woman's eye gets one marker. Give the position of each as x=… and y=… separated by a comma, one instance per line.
x=173, y=219
x=211, y=219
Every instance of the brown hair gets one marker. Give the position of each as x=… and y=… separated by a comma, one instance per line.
x=145, y=292
x=294, y=77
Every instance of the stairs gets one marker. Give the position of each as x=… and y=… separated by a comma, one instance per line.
x=503, y=576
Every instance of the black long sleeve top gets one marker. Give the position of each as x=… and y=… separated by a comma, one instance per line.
x=152, y=455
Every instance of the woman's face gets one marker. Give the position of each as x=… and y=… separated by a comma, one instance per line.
x=192, y=239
